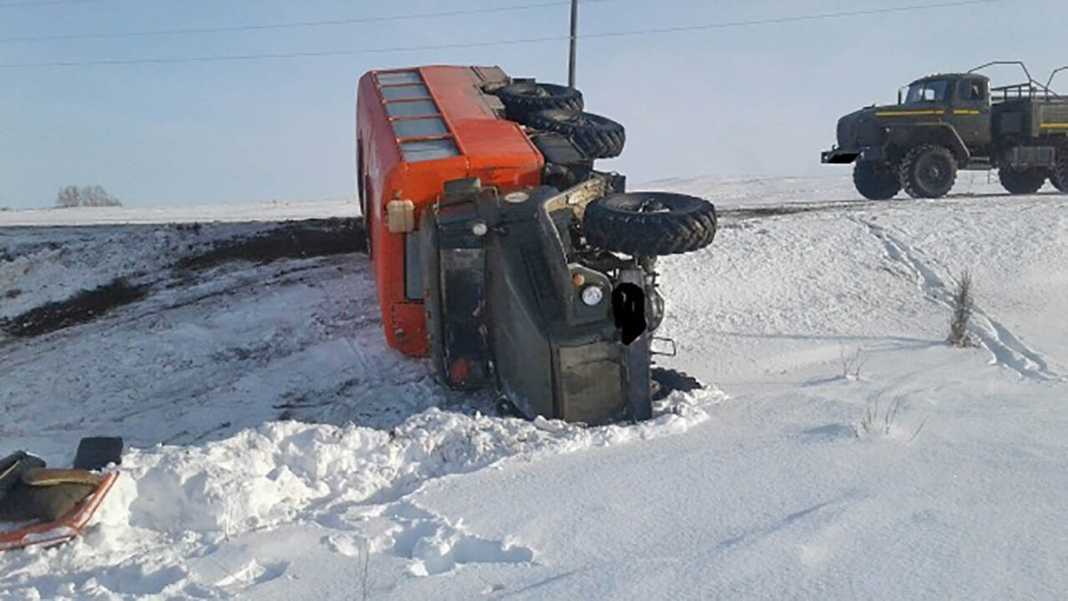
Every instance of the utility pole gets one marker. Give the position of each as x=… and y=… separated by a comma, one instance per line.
x=574, y=36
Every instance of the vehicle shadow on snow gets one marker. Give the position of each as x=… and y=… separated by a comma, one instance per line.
x=377, y=402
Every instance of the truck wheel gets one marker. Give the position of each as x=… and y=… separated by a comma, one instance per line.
x=649, y=224
x=525, y=98
x=596, y=136
x=928, y=171
x=1027, y=181
x=1059, y=174
x=875, y=181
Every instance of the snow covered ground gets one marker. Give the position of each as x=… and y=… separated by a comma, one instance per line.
x=279, y=210
x=281, y=451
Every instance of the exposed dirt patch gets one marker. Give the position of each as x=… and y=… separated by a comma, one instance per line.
x=183, y=258
x=311, y=238
x=80, y=308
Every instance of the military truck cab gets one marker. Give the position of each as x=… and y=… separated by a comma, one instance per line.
x=947, y=122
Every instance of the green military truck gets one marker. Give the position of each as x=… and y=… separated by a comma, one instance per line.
x=948, y=122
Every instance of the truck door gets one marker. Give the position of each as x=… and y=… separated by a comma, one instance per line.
x=970, y=114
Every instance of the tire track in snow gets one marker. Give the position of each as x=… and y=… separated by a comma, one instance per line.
x=1004, y=346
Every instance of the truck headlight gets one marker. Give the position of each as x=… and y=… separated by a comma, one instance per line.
x=592, y=295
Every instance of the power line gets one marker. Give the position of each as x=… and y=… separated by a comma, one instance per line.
x=287, y=25
x=36, y=3
x=511, y=42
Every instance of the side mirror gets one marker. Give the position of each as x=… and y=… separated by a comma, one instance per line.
x=899, y=98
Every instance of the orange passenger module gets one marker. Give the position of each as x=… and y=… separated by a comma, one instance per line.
x=416, y=129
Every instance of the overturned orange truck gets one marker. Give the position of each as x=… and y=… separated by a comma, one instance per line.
x=500, y=252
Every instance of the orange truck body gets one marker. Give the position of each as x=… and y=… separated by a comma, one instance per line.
x=416, y=129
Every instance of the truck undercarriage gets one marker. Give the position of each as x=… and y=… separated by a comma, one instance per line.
x=519, y=301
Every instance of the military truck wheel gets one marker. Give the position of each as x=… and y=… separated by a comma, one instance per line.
x=525, y=98
x=1059, y=174
x=649, y=224
x=875, y=181
x=596, y=136
x=1027, y=181
x=928, y=171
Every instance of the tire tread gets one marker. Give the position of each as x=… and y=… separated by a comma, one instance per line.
x=649, y=234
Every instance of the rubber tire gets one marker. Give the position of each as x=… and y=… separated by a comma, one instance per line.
x=616, y=223
x=875, y=181
x=595, y=136
x=1059, y=174
x=918, y=161
x=1027, y=181
x=525, y=98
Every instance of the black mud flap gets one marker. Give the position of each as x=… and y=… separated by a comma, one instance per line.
x=96, y=452
x=628, y=306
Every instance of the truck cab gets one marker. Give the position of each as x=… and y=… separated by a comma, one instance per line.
x=946, y=122
x=964, y=100
x=501, y=254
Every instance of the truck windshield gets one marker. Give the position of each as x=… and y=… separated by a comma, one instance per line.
x=928, y=91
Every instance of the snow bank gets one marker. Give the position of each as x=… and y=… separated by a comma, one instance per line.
x=284, y=471
x=174, y=502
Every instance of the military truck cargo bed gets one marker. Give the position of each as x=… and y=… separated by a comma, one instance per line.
x=1030, y=117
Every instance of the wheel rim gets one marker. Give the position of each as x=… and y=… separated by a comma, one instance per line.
x=652, y=206
x=936, y=172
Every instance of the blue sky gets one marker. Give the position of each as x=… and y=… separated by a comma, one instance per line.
x=759, y=100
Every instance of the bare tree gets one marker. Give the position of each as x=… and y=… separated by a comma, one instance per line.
x=68, y=197
x=963, y=307
x=97, y=196
x=86, y=196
